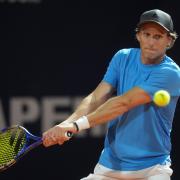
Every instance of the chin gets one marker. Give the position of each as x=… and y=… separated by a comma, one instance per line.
x=154, y=59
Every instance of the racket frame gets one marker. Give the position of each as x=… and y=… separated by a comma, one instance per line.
x=27, y=147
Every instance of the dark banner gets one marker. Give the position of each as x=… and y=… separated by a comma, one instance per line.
x=54, y=53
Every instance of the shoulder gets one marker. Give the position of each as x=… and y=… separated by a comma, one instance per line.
x=123, y=54
x=127, y=51
x=170, y=68
x=168, y=72
x=168, y=62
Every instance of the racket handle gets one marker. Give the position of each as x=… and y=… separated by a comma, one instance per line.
x=69, y=134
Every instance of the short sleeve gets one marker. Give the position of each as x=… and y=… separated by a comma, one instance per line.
x=113, y=71
x=163, y=79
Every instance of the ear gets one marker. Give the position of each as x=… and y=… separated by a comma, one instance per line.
x=137, y=36
x=170, y=42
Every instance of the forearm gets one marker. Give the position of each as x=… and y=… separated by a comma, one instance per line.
x=114, y=107
x=88, y=105
x=109, y=110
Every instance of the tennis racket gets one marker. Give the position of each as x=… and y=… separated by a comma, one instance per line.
x=15, y=142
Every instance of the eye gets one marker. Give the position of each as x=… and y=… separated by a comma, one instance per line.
x=157, y=37
x=146, y=34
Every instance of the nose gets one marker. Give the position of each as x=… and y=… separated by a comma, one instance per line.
x=151, y=41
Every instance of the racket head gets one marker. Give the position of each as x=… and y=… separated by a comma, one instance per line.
x=15, y=141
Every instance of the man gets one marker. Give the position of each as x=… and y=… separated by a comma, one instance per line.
x=137, y=144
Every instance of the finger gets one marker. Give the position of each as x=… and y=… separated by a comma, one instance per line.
x=53, y=137
x=49, y=142
x=46, y=143
x=60, y=142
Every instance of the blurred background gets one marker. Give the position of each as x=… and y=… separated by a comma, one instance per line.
x=52, y=54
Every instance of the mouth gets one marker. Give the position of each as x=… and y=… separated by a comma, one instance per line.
x=149, y=49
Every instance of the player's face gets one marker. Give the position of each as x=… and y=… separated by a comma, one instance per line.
x=154, y=41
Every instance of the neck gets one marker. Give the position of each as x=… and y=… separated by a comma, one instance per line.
x=149, y=60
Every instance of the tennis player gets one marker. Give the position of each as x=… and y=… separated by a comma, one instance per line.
x=137, y=143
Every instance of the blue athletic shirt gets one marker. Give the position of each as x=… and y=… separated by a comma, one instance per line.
x=140, y=138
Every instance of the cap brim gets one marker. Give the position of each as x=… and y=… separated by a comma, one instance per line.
x=151, y=21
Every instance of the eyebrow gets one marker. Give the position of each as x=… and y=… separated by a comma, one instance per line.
x=162, y=31
x=159, y=31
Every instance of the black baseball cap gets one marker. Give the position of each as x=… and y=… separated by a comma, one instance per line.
x=157, y=16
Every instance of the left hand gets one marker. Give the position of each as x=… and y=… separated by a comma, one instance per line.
x=57, y=134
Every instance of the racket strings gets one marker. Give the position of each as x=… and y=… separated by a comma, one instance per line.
x=12, y=142
x=13, y=136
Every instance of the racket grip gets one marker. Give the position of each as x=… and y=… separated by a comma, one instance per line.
x=69, y=134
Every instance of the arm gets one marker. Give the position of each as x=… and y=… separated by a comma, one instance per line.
x=105, y=112
x=56, y=135
x=100, y=111
x=92, y=101
x=118, y=105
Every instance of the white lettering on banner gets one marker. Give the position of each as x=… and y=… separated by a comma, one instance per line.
x=23, y=109
x=50, y=110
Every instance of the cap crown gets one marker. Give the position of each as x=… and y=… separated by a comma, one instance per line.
x=159, y=17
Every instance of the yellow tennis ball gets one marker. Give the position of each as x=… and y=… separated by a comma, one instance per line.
x=161, y=98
